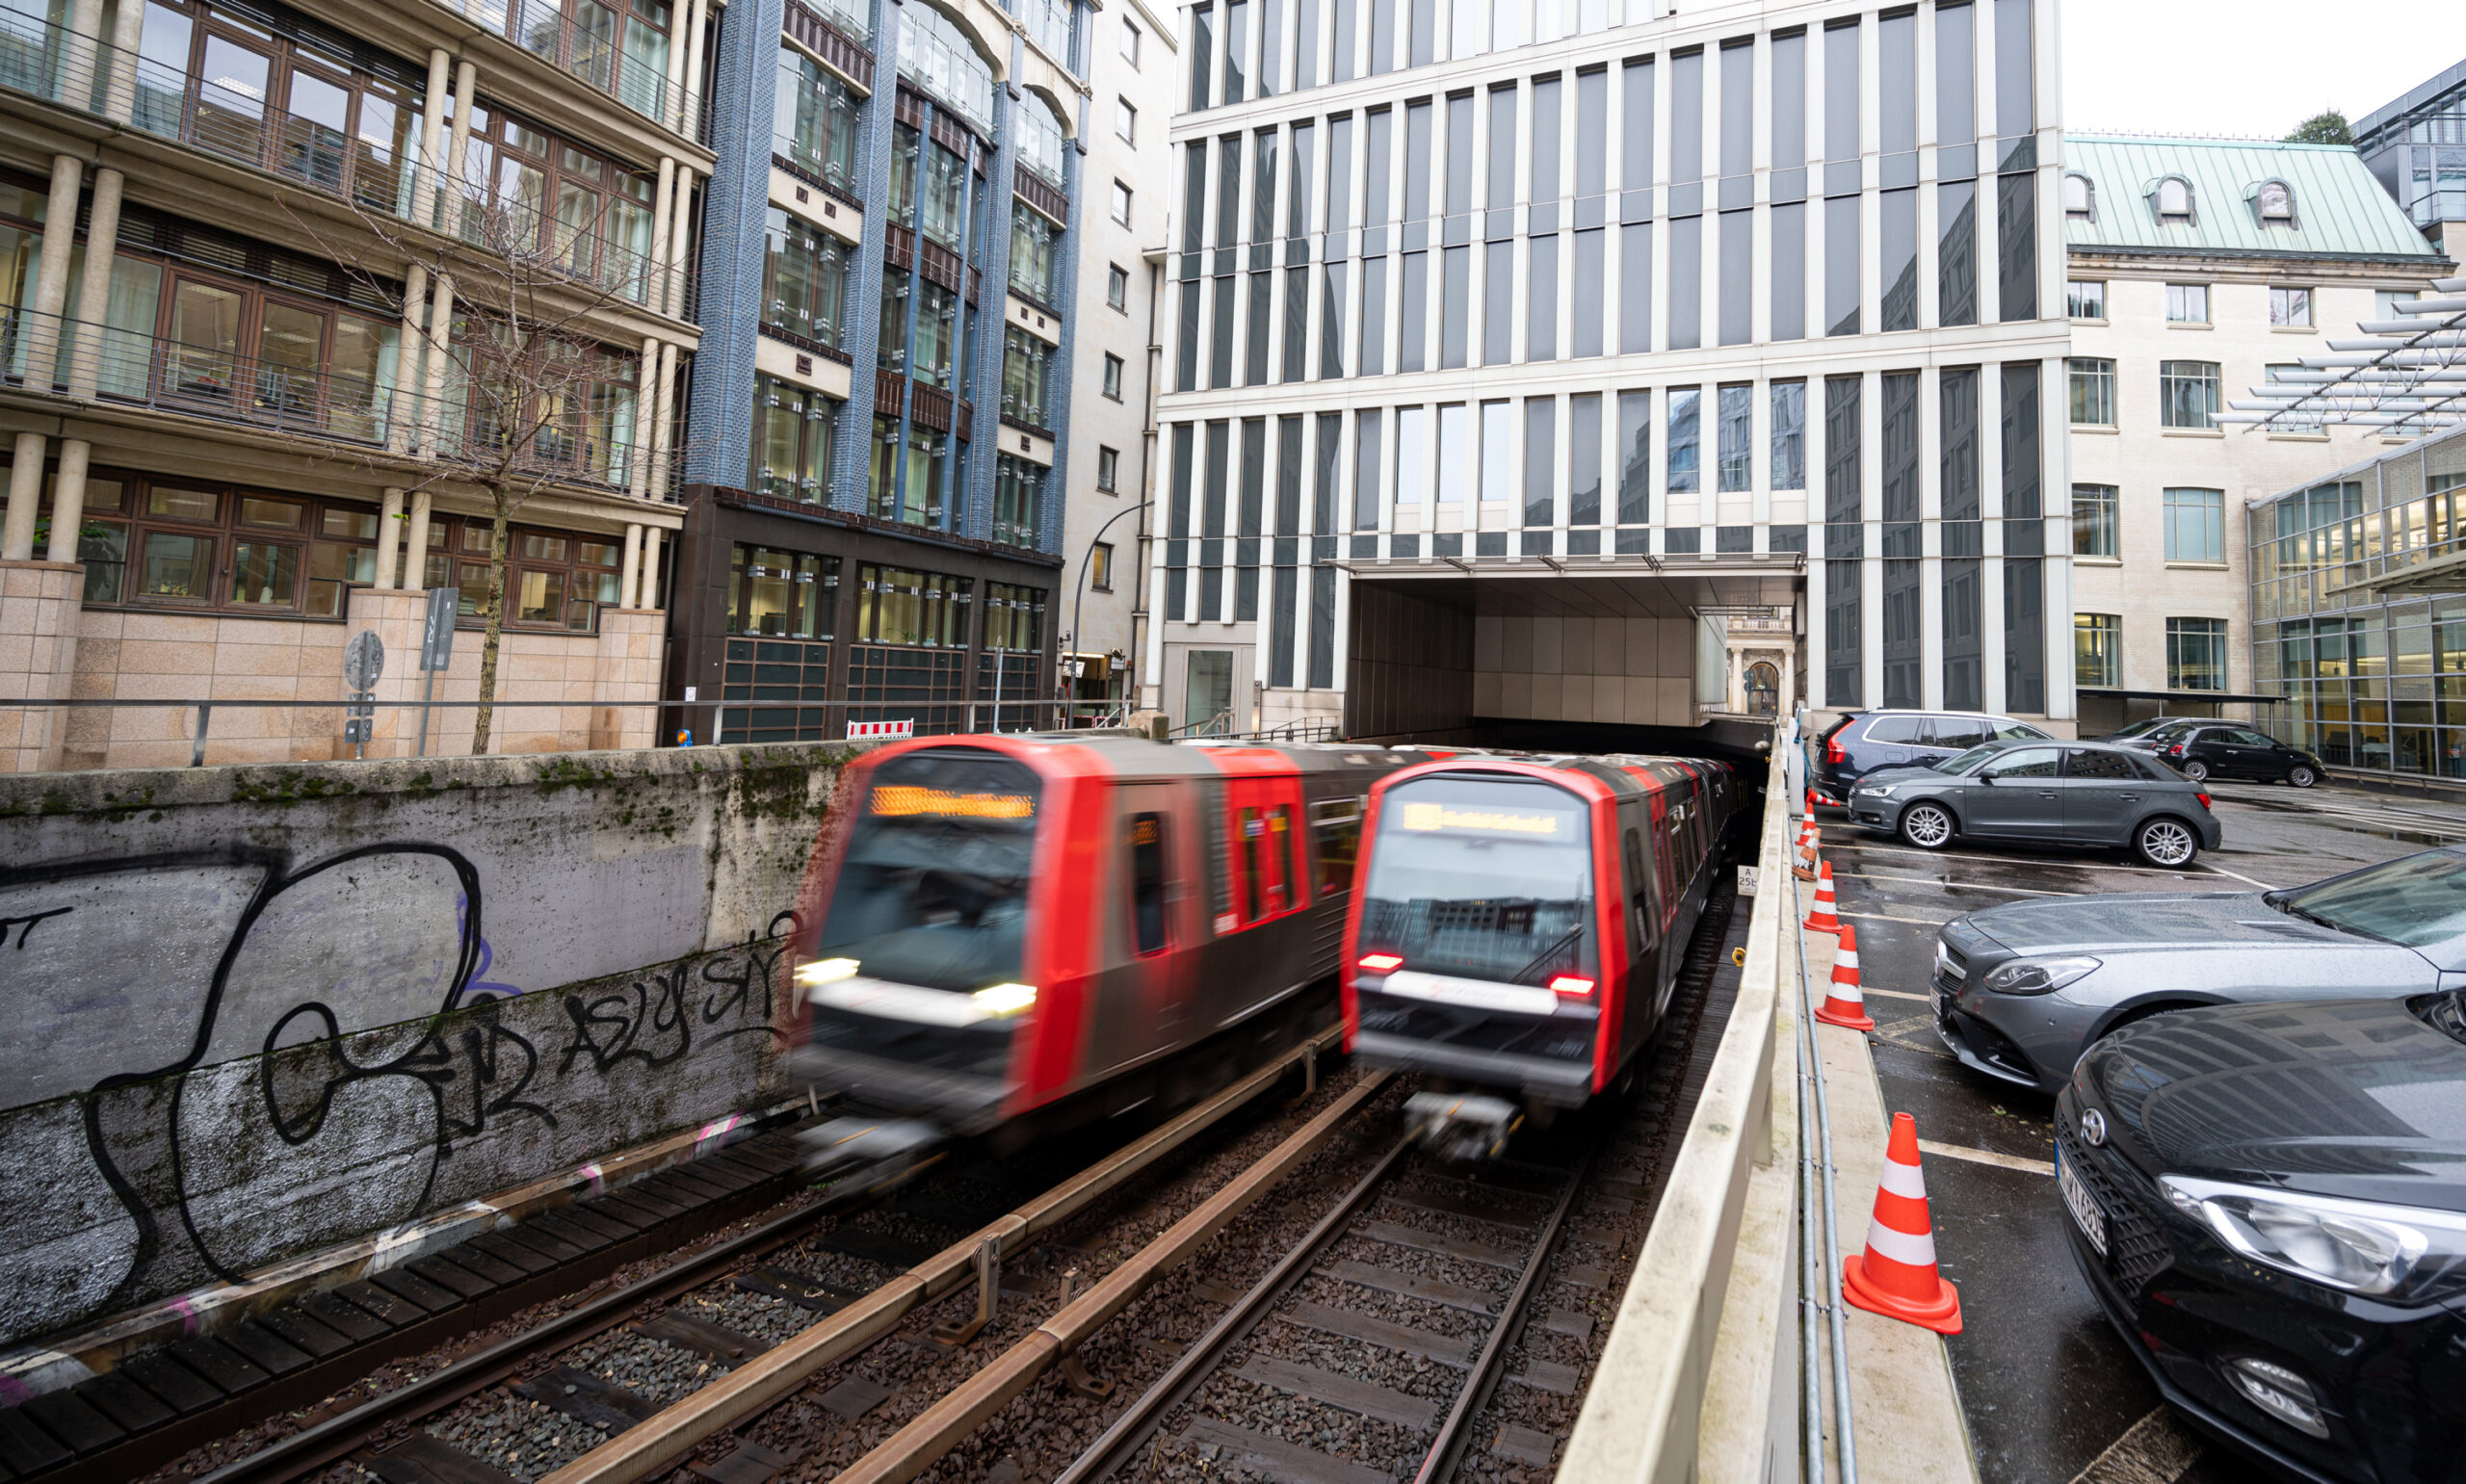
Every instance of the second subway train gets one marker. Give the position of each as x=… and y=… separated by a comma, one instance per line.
x=1007, y=935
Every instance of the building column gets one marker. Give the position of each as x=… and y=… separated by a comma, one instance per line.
x=431, y=173
x=119, y=72
x=51, y=277
x=637, y=458
x=68, y=499
x=389, y=520
x=629, y=572
x=415, y=543
x=671, y=300
x=663, y=394
x=663, y=214
x=25, y=492
x=648, y=589
x=94, y=287
x=466, y=80
x=441, y=338
x=404, y=410
x=697, y=21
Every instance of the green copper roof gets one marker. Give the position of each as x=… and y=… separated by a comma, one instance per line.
x=2339, y=208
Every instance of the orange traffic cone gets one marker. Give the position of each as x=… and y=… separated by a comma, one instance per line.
x=1896, y=1278
x=1819, y=918
x=1843, y=1004
x=1810, y=840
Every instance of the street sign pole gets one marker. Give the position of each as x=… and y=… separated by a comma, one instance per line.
x=436, y=648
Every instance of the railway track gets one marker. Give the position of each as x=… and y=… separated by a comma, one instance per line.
x=774, y=1303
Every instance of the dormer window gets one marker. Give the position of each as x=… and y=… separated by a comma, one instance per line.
x=2174, y=200
x=2275, y=203
x=2079, y=198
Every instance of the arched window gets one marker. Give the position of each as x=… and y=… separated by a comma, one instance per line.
x=1040, y=139
x=2277, y=203
x=2174, y=199
x=2079, y=198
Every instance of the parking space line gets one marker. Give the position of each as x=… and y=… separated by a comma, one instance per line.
x=1897, y=993
x=2026, y=1167
x=1967, y=886
x=2157, y=1449
x=2212, y=866
x=1878, y=917
x=1965, y=856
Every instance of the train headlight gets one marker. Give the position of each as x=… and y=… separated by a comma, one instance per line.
x=1006, y=999
x=1571, y=986
x=826, y=971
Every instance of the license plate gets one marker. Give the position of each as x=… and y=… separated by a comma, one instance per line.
x=2081, y=1202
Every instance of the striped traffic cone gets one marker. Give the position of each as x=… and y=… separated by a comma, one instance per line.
x=1810, y=842
x=1844, y=1004
x=1819, y=918
x=1897, y=1276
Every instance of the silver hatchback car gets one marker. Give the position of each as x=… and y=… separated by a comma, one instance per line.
x=2020, y=991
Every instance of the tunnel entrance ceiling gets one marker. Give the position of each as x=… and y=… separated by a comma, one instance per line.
x=1547, y=658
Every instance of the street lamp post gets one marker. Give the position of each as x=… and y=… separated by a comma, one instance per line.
x=1079, y=595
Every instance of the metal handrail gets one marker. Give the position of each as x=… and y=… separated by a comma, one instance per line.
x=49, y=62
x=100, y=365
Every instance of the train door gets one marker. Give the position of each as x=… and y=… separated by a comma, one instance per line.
x=1262, y=816
x=1644, y=995
x=1148, y=983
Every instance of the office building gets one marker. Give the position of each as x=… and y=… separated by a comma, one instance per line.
x=1514, y=347
x=2198, y=269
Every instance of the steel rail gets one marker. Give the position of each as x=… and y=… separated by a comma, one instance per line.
x=1843, y=1433
x=662, y=1441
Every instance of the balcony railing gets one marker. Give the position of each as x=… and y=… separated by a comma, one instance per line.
x=592, y=46
x=377, y=178
x=105, y=366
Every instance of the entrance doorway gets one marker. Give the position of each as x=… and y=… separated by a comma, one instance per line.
x=1207, y=698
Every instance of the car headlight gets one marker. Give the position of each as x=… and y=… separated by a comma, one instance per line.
x=2398, y=1252
x=2037, y=976
x=1878, y=790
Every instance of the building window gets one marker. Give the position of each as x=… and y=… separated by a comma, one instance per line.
x=2085, y=298
x=2079, y=198
x=2275, y=203
x=1789, y=435
x=2097, y=649
x=804, y=280
x=898, y=607
x=2195, y=654
x=1117, y=288
x=2196, y=525
x=2188, y=394
x=1026, y=364
x=1100, y=566
x=2188, y=303
x=1736, y=468
x=2093, y=391
x=1121, y=203
x=814, y=119
x=1018, y=502
x=2290, y=307
x=791, y=453
x=775, y=594
x=2392, y=303
x=1125, y=121
x=1130, y=43
x=1013, y=618
x=1108, y=470
x=2174, y=201
x=1034, y=243
x=2094, y=520
x=936, y=55
x=1041, y=141
x=1113, y=376
x=1682, y=438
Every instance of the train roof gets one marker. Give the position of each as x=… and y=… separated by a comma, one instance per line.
x=1620, y=772
x=1123, y=754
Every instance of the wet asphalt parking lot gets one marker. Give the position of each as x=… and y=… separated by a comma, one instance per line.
x=2051, y=1394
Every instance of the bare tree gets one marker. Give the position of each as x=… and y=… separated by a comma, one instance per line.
x=505, y=380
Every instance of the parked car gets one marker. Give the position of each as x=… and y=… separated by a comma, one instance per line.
x=2021, y=989
x=2270, y=1203
x=2072, y=794
x=2156, y=736
x=2224, y=750
x=1864, y=740
x=2142, y=727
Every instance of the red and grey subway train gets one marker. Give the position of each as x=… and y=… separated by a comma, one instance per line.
x=1021, y=932
x=1520, y=925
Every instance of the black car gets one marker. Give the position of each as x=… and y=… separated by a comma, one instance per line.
x=2270, y=1201
x=2221, y=749
x=1864, y=740
x=2043, y=792
x=2142, y=728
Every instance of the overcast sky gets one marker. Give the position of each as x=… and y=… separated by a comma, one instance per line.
x=2248, y=68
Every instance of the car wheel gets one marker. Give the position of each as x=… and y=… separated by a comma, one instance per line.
x=1928, y=826
x=2196, y=770
x=2166, y=841
x=2301, y=775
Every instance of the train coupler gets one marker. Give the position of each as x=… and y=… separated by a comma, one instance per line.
x=1458, y=1126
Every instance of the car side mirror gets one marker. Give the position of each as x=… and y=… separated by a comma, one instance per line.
x=1986, y=777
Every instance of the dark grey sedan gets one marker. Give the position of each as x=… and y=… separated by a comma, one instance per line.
x=2043, y=792
x=2020, y=991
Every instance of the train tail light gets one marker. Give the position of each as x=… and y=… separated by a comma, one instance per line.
x=1383, y=963
x=1572, y=986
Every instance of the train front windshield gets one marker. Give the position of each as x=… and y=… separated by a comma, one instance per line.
x=1485, y=879
x=934, y=891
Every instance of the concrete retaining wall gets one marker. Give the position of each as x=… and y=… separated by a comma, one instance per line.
x=263, y=1010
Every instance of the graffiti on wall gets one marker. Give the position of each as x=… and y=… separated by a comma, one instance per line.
x=308, y=1053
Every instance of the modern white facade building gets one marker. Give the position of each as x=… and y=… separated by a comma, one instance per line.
x=2201, y=269
x=1512, y=346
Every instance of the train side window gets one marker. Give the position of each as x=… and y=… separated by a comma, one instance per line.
x=1148, y=893
x=1284, y=856
x=1253, y=831
x=1336, y=824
